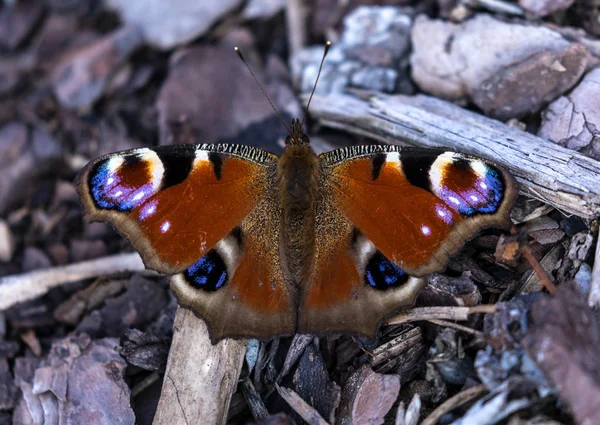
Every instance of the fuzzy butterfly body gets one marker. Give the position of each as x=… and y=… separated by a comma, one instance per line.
x=262, y=245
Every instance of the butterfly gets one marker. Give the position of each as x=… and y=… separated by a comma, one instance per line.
x=261, y=245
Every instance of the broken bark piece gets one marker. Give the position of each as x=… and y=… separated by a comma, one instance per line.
x=302, y=408
x=502, y=77
x=71, y=311
x=299, y=344
x=443, y=290
x=209, y=96
x=312, y=384
x=560, y=177
x=143, y=350
x=25, y=155
x=166, y=25
x=81, y=381
x=367, y=397
x=402, y=355
x=540, y=8
x=81, y=77
x=255, y=402
x=573, y=121
x=8, y=390
x=200, y=377
x=17, y=21
x=143, y=300
x=371, y=54
x=564, y=340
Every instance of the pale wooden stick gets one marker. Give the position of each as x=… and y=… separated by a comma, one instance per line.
x=200, y=377
x=558, y=176
x=305, y=410
x=454, y=402
x=296, y=22
x=27, y=286
x=439, y=313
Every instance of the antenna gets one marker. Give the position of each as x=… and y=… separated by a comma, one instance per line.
x=239, y=53
x=327, y=46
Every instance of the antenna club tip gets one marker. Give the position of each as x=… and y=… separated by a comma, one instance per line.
x=328, y=43
x=236, y=48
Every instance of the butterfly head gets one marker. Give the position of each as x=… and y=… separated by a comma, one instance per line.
x=297, y=135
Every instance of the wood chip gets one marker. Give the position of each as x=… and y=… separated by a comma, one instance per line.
x=367, y=397
x=574, y=120
x=564, y=340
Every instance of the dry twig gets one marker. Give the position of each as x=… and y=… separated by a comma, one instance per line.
x=200, y=377
x=454, y=402
x=27, y=286
x=305, y=410
x=437, y=313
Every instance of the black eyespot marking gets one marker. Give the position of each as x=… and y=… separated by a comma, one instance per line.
x=462, y=163
x=382, y=274
x=217, y=162
x=209, y=273
x=131, y=160
x=416, y=169
x=238, y=235
x=376, y=164
x=177, y=166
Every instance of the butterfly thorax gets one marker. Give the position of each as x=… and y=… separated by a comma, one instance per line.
x=297, y=179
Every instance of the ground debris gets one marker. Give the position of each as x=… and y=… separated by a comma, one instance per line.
x=81, y=381
x=564, y=340
x=497, y=78
x=574, y=121
x=367, y=397
x=88, y=336
x=371, y=54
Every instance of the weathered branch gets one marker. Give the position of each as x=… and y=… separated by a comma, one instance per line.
x=560, y=177
x=27, y=286
x=200, y=377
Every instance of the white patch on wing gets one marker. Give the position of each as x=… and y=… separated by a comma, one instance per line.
x=479, y=167
x=201, y=155
x=229, y=249
x=363, y=251
x=157, y=169
x=114, y=163
x=393, y=157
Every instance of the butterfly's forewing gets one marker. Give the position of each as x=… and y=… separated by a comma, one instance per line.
x=201, y=211
x=406, y=211
x=174, y=203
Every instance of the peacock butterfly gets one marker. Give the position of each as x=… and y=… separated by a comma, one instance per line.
x=261, y=245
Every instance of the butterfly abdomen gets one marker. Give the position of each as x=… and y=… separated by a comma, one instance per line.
x=297, y=179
